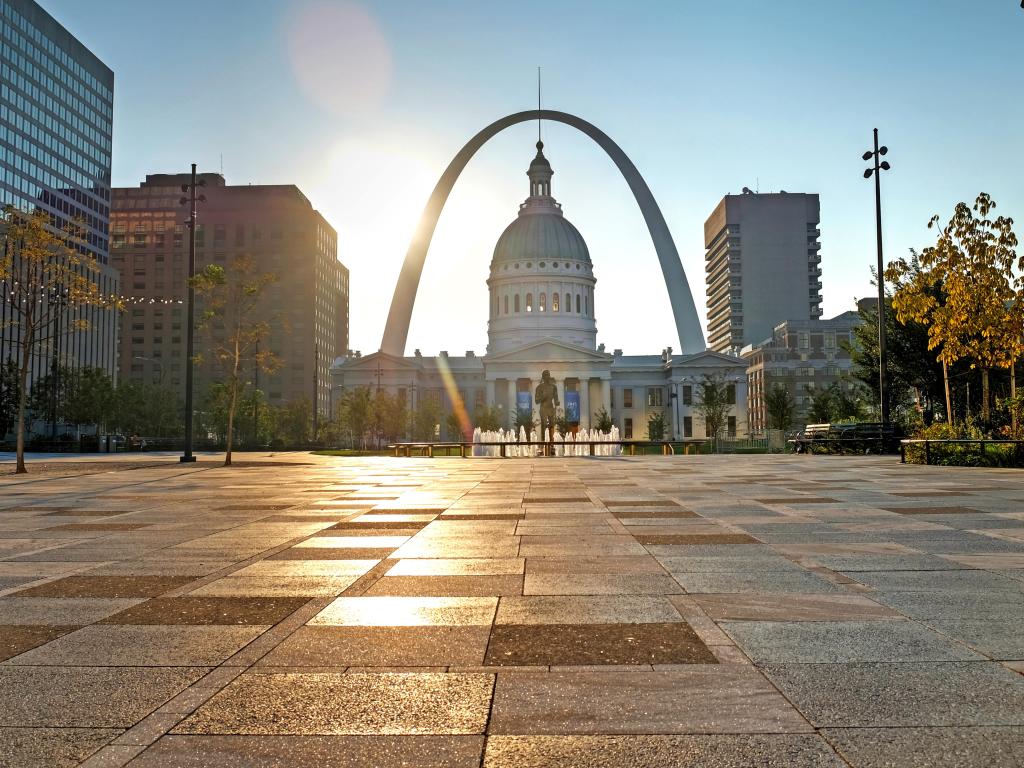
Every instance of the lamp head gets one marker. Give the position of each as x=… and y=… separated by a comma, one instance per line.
x=885, y=166
x=883, y=150
x=868, y=172
x=866, y=155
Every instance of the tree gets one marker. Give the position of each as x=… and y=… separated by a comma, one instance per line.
x=389, y=416
x=48, y=274
x=822, y=405
x=10, y=396
x=88, y=397
x=146, y=409
x=356, y=414
x=713, y=404
x=524, y=420
x=426, y=418
x=656, y=426
x=977, y=316
x=847, y=404
x=293, y=422
x=562, y=423
x=780, y=408
x=602, y=421
x=487, y=417
x=453, y=427
x=236, y=322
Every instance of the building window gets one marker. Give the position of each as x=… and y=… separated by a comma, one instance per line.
x=830, y=339
x=732, y=426
x=655, y=397
x=627, y=429
x=687, y=394
x=568, y=303
x=577, y=302
x=627, y=398
x=803, y=340
x=687, y=426
x=542, y=302
x=529, y=302
x=506, y=305
x=517, y=303
x=730, y=394
x=554, y=302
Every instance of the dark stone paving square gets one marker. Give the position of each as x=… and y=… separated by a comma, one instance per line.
x=549, y=644
x=556, y=500
x=689, y=539
x=697, y=751
x=85, y=513
x=640, y=503
x=790, y=500
x=18, y=639
x=427, y=646
x=319, y=703
x=984, y=747
x=313, y=752
x=106, y=586
x=87, y=697
x=934, y=510
x=907, y=694
x=653, y=514
x=209, y=610
x=333, y=553
x=51, y=747
x=99, y=527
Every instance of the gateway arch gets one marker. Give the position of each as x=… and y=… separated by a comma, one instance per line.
x=691, y=338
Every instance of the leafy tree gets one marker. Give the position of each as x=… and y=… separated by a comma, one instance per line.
x=822, y=405
x=713, y=404
x=88, y=397
x=978, y=315
x=453, y=426
x=488, y=418
x=847, y=404
x=45, y=395
x=602, y=421
x=389, y=416
x=656, y=426
x=562, y=423
x=10, y=396
x=356, y=414
x=426, y=419
x=48, y=275
x=146, y=409
x=524, y=420
x=294, y=422
x=236, y=322
x=780, y=408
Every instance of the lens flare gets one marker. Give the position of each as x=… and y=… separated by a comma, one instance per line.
x=339, y=56
x=458, y=406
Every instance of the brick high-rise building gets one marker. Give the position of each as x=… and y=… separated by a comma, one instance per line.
x=279, y=229
x=762, y=265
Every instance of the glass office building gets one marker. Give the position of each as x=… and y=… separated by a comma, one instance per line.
x=56, y=110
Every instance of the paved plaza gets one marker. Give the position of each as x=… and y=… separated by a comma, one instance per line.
x=800, y=612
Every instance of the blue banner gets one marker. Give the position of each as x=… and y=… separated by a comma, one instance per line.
x=572, y=407
x=524, y=402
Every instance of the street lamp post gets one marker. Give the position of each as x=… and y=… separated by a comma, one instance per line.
x=192, y=199
x=883, y=358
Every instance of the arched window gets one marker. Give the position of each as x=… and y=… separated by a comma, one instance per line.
x=568, y=302
x=586, y=309
x=506, y=305
x=517, y=303
x=577, y=303
x=554, y=302
x=542, y=303
x=529, y=302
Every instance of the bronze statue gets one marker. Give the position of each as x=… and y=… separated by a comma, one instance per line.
x=546, y=396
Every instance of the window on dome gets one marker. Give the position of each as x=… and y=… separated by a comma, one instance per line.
x=529, y=302
x=568, y=302
x=542, y=265
x=529, y=265
x=517, y=303
x=542, y=303
x=586, y=308
x=554, y=302
x=506, y=305
x=577, y=303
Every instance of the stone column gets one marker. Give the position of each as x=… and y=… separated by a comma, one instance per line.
x=490, y=393
x=586, y=417
x=606, y=395
x=511, y=401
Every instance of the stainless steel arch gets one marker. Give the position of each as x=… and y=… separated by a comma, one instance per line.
x=691, y=338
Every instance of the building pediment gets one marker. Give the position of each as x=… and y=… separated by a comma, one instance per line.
x=383, y=359
x=545, y=351
x=708, y=359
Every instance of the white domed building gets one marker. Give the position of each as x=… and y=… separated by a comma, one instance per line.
x=542, y=316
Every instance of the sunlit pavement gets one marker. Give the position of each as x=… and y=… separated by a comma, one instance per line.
x=689, y=611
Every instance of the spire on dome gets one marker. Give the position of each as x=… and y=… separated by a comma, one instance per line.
x=540, y=174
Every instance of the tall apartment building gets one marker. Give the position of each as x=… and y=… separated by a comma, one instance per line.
x=803, y=356
x=762, y=264
x=278, y=228
x=56, y=108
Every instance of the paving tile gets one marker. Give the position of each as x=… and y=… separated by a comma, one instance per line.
x=704, y=538
x=705, y=751
x=142, y=646
x=51, y=747
x=404, y=751
x=610, y=609
x=550, y=644
x=898, y=695
x=983, y=747
x=940, y=581
x=836, y=642
x=701, y=699
x=99, y=527
x=998, y=638
x=450, y=586
x=87, y=697
x=407, y=611
x=393, y=646
x=767, y=581
x=317, y=553
x=458, y=567
x=1005, y=606
x=629, y=564
x=792, y=607
x=855, y=563
x=318, y=703
x=106, y=586
x=20, y=638
x=685, y=564
x=191, y=609
x=276, y=586
x=600, y=584
x=933, y=510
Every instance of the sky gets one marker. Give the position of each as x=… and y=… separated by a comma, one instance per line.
x=362, y=106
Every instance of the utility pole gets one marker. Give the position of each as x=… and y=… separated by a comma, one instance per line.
x=883, y=358
x=190, y=331
x=256, y=396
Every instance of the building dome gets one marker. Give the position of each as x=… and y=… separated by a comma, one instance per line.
x=542, y=280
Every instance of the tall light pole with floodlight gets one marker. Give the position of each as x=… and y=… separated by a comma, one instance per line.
x=192, y=199
x=883, y=357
